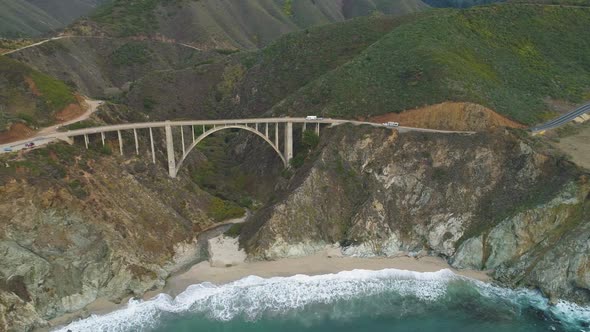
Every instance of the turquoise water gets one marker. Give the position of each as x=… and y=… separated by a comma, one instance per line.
x=388, y=300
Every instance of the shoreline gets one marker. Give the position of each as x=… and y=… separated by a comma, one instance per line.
x=312, y=265
x=325, y=262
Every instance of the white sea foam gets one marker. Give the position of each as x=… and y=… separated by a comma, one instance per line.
x=252, y=297
x=570, y=314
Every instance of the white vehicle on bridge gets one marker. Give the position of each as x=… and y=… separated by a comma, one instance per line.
x=311, y=117
x=391, y=124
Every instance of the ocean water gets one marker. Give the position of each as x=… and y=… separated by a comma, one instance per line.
x=387, y=300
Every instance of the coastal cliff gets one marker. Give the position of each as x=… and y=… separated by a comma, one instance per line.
x=487, y=201
x=79, y=225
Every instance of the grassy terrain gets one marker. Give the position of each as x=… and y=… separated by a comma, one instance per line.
x=510, y=58
x=555, y=2
x=19, y=18
x=127, y=18
x=13, y=44
x=29, y=95
x=261, y=79
x=518, y=60
x=30, y=18
x=459, y=3
x=231, y=24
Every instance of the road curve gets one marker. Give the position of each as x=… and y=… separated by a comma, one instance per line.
x=560, y=121
x=42, y=137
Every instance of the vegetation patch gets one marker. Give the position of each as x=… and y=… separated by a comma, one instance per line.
x=27, y=95
x=235, y=230
x=128, y=17
x=131, y=53
x=221, y=210
x=509, y=58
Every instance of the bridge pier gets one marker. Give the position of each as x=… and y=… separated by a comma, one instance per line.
x=102, y=137
x=288, y=143
x=170, y=151
x=136, y=142
x=86, y=141
x=120, y=142
x=317, y=129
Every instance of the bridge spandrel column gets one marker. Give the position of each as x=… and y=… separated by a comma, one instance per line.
x=120, y=142
x=182, y=141
x=288, y=142
x=152, y=146
x=277, y=135
x=170, y=152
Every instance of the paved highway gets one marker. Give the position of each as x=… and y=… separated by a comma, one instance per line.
x=560, y=121
x=42, y=137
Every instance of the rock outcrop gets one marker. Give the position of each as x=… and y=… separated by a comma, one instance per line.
x=484, y=201
x=77, y=226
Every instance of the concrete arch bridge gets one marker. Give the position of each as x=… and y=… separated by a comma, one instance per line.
x=268, y=129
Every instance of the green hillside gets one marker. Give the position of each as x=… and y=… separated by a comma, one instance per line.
x=18, y=18
x=459, y=3
x=31, y=18
x=29, y=96
x=262, y=78
x=511, y=58
x=519, y=60
x=229, y=24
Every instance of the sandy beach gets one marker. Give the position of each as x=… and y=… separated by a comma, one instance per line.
x=310, y=265
x=322, y=263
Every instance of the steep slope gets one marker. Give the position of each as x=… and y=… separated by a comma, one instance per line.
x=30, y=18
x=250, y=83
x=19, y=18
x=517, y=60
x=490, y=201
x=459, y=3
x=77, y=225
x=31, y=98
x=104, y=67
x=67, y=11
x=510, y=58
x=228, y=23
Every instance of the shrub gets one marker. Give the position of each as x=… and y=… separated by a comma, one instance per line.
x=221, y=210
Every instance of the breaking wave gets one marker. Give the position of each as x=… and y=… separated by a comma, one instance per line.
x=387, y=291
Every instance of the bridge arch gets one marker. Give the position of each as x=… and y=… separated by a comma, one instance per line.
x=220, y=128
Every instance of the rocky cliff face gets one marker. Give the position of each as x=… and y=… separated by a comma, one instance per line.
x=77, y=226
x=484, y=201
